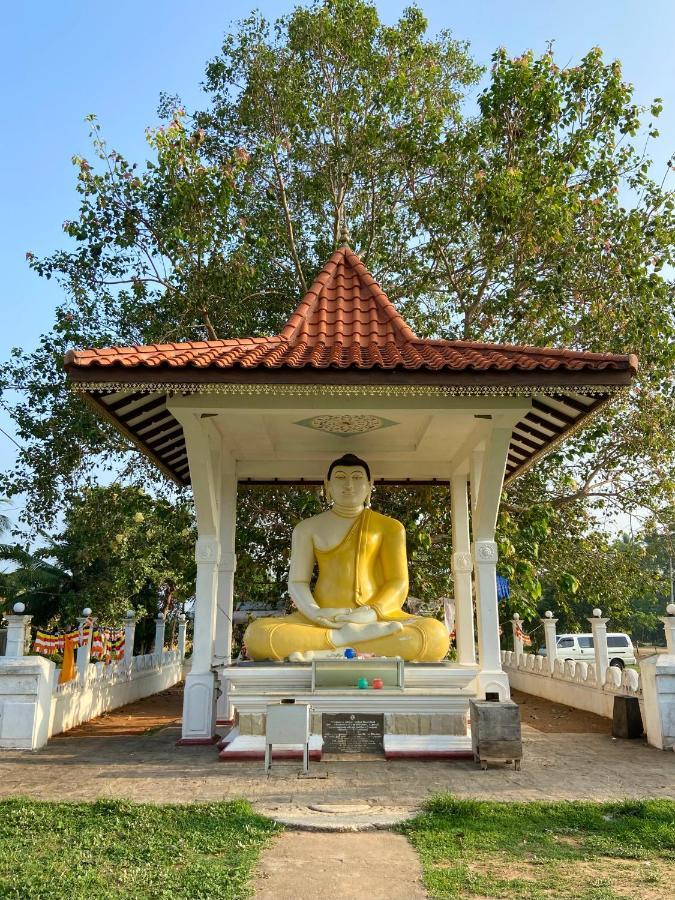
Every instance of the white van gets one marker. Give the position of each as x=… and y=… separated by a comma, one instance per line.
x=580, y=646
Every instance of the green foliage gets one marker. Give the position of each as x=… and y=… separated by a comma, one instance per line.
x=114, y=849
x=119, y=548
x=533, y=850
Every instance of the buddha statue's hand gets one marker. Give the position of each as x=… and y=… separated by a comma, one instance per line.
x=326, y=617
x=362, y=615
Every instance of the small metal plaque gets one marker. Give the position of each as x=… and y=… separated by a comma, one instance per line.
x=352, y=732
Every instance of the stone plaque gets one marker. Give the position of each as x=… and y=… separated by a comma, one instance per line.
x=353, y=732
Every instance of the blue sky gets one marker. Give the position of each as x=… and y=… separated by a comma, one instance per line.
x=61, y=61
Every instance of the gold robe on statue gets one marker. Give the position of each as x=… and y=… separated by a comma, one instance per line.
x=367, y=568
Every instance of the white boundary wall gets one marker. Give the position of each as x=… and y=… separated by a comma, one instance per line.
x=34, y=706
x=107, y=687
x=592, y=687
x=572, y=684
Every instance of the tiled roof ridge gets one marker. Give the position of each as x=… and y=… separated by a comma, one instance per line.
x=310, y=303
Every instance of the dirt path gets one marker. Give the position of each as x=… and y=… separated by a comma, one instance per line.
x=302, y=865
x=556, y=718
x=140, y=717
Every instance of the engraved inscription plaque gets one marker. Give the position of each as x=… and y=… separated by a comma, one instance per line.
x=352, y=732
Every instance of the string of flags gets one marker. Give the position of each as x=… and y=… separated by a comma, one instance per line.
x=106, y=643
x=520, y=635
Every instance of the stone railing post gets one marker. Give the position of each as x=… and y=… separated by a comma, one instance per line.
x=17, y=626
x=599, y=629
x=84, y=648
x=517, y=629
x=160, y=627
x=550, y=640
x=669, y=628
x=129, y=637
x=182, y=635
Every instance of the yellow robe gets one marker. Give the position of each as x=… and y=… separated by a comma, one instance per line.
x=68, y=666
x=367, y=568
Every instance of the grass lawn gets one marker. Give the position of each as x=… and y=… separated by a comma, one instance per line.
x=117, y=849
x=585, y=851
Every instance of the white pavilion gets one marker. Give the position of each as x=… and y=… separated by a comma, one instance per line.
x=345, y=374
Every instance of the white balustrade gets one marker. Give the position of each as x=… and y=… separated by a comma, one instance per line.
x=587, y=685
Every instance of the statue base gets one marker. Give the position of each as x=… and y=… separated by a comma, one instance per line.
x=426, y=717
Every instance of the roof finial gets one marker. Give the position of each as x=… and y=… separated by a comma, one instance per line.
x=345, y=238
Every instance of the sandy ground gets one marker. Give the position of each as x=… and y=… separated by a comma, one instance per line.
x=305, y=865
x=140, y=717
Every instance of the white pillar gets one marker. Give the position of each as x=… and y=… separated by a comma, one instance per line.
x=160, y=631
x=491, y=676
x=550, y=639
x=17, y=625
x=204, y=446
x=182, y=635
x=476, y=466
x=669, y=628
x=226, y=569
x=129, y=637
x=199, y=703
x=487, y=478
x=84, y=650
x=599, y=628
x=462, y=567
x=517, y=628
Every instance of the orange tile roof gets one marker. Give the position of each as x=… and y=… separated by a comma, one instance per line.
x=347, y=321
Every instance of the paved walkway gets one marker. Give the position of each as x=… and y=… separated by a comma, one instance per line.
x=150, y=767
x=303, y=866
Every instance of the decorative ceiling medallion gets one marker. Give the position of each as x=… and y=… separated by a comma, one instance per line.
x=346, y=426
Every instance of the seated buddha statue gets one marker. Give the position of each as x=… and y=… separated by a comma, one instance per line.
x=361, y=584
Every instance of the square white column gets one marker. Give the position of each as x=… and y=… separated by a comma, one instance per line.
x=462, y=567
x=491, y=677
x=199, y=701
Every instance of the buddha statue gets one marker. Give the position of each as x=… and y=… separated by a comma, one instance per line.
x=360, y=588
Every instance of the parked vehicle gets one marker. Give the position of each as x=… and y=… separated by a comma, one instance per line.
x=580, y=646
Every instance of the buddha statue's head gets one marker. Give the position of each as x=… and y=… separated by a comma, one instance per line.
x=348, y=483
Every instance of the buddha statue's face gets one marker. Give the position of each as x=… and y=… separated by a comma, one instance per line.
x=348, y=486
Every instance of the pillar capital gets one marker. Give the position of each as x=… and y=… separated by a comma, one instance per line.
x=18, y=620
x=669, y=628
x=207, y=550
x=485, y=552
x=228, y=561
x=462, y=562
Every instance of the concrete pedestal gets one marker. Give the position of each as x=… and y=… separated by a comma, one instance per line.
x=199, y=709
x=25, y=702
x=658, y=689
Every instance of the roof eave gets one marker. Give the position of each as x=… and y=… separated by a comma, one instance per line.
x=193, y=377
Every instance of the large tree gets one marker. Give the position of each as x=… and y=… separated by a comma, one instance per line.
x=531, y=216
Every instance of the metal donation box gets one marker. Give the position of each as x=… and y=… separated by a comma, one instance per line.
x=379, y=674
x=495, y=731
x=288, y=722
